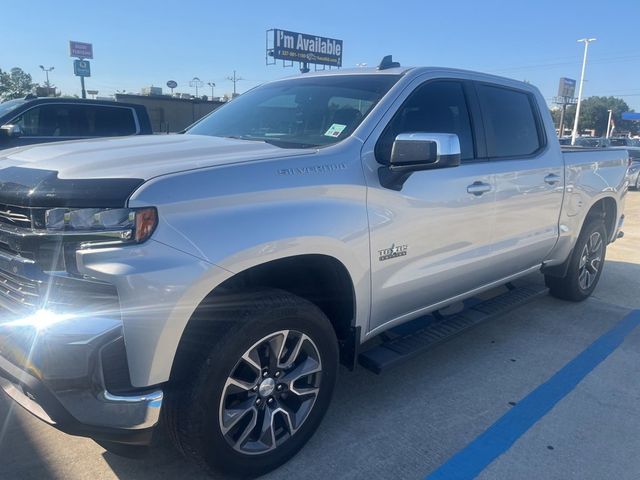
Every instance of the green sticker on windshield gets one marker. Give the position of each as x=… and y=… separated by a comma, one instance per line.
x=335, y=130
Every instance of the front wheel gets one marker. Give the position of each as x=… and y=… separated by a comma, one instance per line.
x=585, y=265
x=264, y=387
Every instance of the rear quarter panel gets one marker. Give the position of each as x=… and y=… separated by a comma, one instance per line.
x=590, y=175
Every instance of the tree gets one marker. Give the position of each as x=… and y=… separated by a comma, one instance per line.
x=15, y=83
x=594, y=113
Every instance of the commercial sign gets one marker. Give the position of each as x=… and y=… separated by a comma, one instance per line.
x=81, y=50
x=304, y=48
x=81, y=68
x=567, y=87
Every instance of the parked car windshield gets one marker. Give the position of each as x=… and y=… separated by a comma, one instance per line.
x=624, y=142
x=592, y=142
x=299, y=113
x=6, y=107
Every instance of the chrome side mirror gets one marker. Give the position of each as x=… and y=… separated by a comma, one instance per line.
x=412, y=152
x=11, y=131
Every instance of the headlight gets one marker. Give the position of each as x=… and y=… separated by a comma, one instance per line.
x=128, y=224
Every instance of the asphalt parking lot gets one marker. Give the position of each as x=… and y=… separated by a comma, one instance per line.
x=521, y=396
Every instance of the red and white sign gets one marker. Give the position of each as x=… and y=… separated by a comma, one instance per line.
x=81, y=50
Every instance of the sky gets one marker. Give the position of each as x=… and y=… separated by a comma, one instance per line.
x=138, y=43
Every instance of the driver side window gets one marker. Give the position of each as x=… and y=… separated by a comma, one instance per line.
x=434, y=107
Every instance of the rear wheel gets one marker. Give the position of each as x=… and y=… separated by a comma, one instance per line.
x=262, y=390
x=585, y=265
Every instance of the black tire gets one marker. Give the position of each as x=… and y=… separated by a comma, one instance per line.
x=194, y=412
x=577, y=285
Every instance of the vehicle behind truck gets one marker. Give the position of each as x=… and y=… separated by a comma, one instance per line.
x=31, y=120
x=214, y=281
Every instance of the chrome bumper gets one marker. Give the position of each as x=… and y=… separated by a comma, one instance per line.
x=64, y=368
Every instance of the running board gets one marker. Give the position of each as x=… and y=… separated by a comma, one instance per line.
x=408, y=340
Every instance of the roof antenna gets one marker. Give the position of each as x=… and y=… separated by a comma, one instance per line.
x=387, y=62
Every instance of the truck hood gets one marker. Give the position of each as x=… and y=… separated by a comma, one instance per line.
x=140, y=157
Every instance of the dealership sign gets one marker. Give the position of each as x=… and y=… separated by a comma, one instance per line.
x=304, y=48
x=567, y=88
x=81, y=50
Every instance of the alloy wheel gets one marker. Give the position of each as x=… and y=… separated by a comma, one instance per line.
x=590, y=261
x=270, y=392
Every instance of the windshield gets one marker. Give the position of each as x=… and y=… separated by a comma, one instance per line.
x=299, y=113
x=6, y=107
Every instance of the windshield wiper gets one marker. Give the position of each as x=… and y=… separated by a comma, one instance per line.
x=273, y=141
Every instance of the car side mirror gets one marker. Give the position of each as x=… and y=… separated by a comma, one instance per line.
x=412, y=152
x=10, y=131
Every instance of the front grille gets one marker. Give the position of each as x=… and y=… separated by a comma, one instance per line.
x=15, y=216
x=18, y=294
x=23, y=296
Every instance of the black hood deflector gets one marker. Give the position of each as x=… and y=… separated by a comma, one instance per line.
x=31, y=187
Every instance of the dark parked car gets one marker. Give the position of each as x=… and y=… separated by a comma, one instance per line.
x=40, y=120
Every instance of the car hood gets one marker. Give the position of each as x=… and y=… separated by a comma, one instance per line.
x=140, y=157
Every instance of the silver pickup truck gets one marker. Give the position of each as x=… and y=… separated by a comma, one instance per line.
x=213, y=281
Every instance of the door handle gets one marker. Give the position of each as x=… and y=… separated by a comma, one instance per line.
x=478, y=188
x=552, y=179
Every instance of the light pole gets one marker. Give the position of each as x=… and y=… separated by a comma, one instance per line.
x=46, y=72
x=586, y=42
x=212, y=85
x=196, y=82
x=609, y=124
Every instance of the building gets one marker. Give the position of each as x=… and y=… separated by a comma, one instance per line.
x=151, y=91
x=171, y=114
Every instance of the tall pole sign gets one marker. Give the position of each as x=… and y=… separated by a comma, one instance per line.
x=566, y=92
x=81, y=67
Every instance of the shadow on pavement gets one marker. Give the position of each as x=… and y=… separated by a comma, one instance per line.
x=20, y=458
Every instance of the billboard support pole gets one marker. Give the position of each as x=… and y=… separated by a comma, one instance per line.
x=84, y=92
x=562, y=113
x=304, y=67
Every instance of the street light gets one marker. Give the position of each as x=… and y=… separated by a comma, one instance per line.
x=196, y=82
x=609, y=124
x=211, y=84
x=46, y=71
x=586, y=42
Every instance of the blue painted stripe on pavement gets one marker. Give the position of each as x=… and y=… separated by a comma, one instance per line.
x=499, y=437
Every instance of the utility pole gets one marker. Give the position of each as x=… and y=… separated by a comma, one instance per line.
x=212, y=85
x=586, y=42
x=609, y=124
x=235, y=79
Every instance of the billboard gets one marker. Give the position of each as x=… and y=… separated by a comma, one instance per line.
x=81, y=50
x=304, y=48
x=567, y=88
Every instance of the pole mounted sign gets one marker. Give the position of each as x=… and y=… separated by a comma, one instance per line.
x=567, y=87
x=81, y=50
x=81, y=68
x=304, y=48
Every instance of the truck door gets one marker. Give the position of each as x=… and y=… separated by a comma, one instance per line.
x=431, y=240
x=529, y=178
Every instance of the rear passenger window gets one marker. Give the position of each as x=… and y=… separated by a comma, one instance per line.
x=435, y=107
x=509, y=121
x=106, y=121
